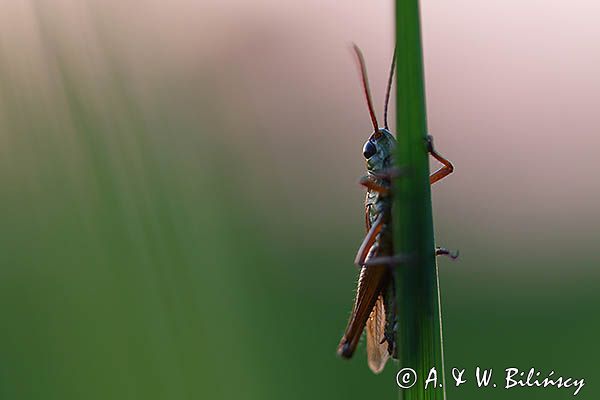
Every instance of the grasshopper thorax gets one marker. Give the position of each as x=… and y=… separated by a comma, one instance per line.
x=378, y=151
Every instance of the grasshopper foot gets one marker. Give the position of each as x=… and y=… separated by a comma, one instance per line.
x=441, y=251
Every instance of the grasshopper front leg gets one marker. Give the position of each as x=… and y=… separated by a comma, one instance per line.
x=370, y=184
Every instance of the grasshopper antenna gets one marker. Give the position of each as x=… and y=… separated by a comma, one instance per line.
x=388, y=91
x=365, y=82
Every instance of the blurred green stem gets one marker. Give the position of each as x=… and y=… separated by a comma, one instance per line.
x=420, y=331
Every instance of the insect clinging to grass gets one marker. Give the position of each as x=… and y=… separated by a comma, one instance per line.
x=374, y=304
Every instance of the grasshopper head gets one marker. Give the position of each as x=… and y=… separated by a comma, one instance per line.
x=378, y=150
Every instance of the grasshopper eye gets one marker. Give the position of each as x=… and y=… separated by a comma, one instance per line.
x=369, y=149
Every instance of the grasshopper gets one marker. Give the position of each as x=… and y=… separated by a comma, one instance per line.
x=374, y=304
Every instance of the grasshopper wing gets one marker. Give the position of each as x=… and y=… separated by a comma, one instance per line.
x=377, y=348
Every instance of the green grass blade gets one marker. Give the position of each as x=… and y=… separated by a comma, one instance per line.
x=420, y=331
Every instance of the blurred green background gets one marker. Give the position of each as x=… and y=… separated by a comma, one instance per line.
x=180, y=210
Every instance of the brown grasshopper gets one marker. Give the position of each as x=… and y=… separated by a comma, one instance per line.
x=374, y=305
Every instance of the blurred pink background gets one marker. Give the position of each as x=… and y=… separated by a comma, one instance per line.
x=181, y=205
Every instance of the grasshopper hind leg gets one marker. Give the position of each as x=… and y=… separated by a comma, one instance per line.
x=372, y=280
